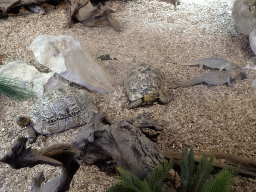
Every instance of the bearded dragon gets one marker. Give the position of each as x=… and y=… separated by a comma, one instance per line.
x=215, y=78
x=214, y=63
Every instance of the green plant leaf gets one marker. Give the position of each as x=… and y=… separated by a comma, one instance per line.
x=15, y=88
x=222, y=182
x=118, y=187
x=187, y=166
x=154, y=181
x=202, y=174
x=129, y=181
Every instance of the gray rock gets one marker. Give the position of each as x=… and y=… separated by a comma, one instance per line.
x=55, y=82
x=27, y=73
x=251, y=63
x=37, y=9
x=253, y=84
x=252, y=39
x=69, y=58
x=244, y=19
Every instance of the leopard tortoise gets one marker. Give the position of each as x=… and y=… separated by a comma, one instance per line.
x=143, y=86
x=58, y=110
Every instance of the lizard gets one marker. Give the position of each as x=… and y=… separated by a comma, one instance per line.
x=214, y=63
x=215, y=78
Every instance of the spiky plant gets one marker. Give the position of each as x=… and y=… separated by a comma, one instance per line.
x=193, y=179
x=198, y=179
x=152, y=183
x=15, y=88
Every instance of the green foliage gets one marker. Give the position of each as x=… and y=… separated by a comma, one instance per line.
x=155, y=180
x=187, y=166
x=198, y=180
x=204, y=170
x=193, y=178
x=153, y=183
x=223, y=182
x=15, y=89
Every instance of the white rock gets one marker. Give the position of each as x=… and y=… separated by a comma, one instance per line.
x=55, y=82
x=253, y=84
x=252, y=39
x=27, y=73
x=244, y=19
x=251, y=63
x=69, y=58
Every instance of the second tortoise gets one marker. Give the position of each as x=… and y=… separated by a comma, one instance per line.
x=143, y=85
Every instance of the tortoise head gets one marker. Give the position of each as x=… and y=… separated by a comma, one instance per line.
x=23, y=121
x=151, y=97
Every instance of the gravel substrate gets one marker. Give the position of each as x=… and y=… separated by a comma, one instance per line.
x=218, y=118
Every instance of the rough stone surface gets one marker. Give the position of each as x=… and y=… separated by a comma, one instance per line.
x=69, y=58
x=251, y=63
x=252, y=39
x=27, y=73
x=55, y=82
x=254, y=85
x=244, y=19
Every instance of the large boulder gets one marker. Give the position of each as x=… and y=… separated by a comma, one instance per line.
x=244, y=19
x=28, y=73
x=69, y=58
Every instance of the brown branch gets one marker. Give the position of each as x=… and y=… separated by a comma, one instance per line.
x=247, y=167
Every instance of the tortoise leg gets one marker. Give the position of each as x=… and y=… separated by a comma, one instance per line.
x=31, y=134
x=164, y=99
x=135, y=104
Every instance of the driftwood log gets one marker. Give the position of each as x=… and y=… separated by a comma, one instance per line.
x=7, y=5
x=247, y=167
x=90, y=16
x=78, y=10
x=122, y=141
x=64, y=155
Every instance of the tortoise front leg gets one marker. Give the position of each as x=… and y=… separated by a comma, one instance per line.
x=135, y=104
x=165, y=99
x=31, y=134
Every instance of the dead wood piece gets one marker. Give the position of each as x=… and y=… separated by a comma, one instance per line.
x=73, y=9
x=123, y=142
x=19, y=156
x=85, y=140
x=64, y=155
x=90, y=16
x=247, y=167
x=145, y=121
x=36, y=182
x=7, y=5
x=62, y=182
